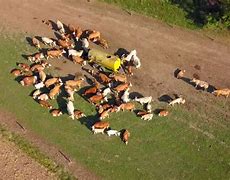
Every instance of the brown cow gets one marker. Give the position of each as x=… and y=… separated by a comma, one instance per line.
x=16, y=72
x=122, y=87
x=119, y=77
x=104, y=78
x=224, y=92
x=104, y=114
x=100, y=126
x=65, y=44
x=28, y=80
x=55, y=91
x=127, y=106
x=57, y=53
x=45, y=104
x=125, y=136
x=56, y=112
x=97, y=99
x=37, y=67
x=94, y=36
x=78, y=60
x=52, y=81
x=102, y=42
x=74, y=83
x=24, y=66
x=78, y=114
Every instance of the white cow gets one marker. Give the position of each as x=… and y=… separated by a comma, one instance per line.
x=179, y=100
x=70, y=109
x=144, y=100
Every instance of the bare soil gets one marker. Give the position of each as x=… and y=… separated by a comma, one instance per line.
x=15, y=164
x=161, y=48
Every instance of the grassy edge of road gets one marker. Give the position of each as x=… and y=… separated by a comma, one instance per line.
x=35, y=154
x=171, y=14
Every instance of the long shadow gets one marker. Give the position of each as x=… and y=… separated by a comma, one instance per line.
x=165, y=98
x=89, y=121
x=132, y=95
x=61, y=101
x=29, y=41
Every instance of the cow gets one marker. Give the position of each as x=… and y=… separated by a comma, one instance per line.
x=75, y=83
x=70, y=109
x=28, y=80
x=125, y=136
x=122, y=87
x=200, y=83
x=127, y=106
x=106, y=92
x=16, y=72
x=42, y=76
x=36, y=42
x=43, y=97
x=78, y=114
x=104, y=114
x=45, y=104
x=70, y=91
x=148, y=107
x=56, y=112
x=103, y=107
x=147, y=117
x=36, y=57
x=102, y=42
x=125, y=97
x=48, y=41
x=163, y=113
x=39, y=85
x=56, y=53
x=179, y=100
x=104, y=78
x=119, y=77
x=85, y=43
x=94, y=36
x=78, y=60
x=73, y=52
x=65, y=44
x=24, y=66
x=36, y=93
x=37, y=67
x=95, y=99
x=52, y=81
x=144, y=100
x=60, y=27
x=224, y=92
x=100, y=126
x=112, y=132
x=55, y=91
x=77, y=33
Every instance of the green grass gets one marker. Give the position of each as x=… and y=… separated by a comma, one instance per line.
x=35, y=153
x=175, y=147
x=160, y=9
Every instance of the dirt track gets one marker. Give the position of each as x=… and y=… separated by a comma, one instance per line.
x=15, y=164
x=161, y=48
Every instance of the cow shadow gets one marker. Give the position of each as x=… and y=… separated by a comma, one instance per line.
x=89, y=121
x=157, y=111
x=53, y=25
x=62, y=102
x=121, y=52
x=134, y=94
x=165, y=98
x=29, y=41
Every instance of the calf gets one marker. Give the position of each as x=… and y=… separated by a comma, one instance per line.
x=224, y=92
x=94, y=36
x=200, y=83
x=104, y=114
x=28, y=80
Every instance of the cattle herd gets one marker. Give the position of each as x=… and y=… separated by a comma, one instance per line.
x=109, y=92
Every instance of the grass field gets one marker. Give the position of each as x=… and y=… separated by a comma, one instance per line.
x=183, y=145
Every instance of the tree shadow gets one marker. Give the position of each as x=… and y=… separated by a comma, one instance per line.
x=200, y=10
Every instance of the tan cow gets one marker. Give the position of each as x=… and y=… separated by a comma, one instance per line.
x=75, y=83
x=52, y=81
x=57, y=53
x=224, y=92
x=28, y=80
x=125, y=136
x=56, y=112
x=65, y=44
x=127, y=106
x=45, y=104
x=55, y=91
x=122, y=87
x=101, y=126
